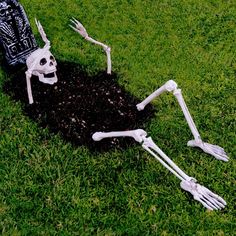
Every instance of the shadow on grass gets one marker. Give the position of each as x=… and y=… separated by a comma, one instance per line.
x=79, y=105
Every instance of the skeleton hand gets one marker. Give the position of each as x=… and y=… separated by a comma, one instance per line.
x=42, y=32
x=214, y=150
x=78, y=27
x=208, y=199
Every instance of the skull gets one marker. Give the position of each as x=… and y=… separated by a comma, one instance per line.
x=43, y=64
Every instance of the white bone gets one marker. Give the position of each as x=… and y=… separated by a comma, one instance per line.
x=140, y=136
x=29, y=90
x=108, y=52
x=171, y=86
x=136, y=134
x=42, y=33
x=163, y=163
x=79, y=28
x=33, y=63
x=208, y=199
x=178, y=94
x=167, y=87
x=148, y=143
x=213, y=150
x=41, y=63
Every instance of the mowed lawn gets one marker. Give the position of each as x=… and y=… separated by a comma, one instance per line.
x=48, y=187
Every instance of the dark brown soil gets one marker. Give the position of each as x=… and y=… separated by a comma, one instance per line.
x=79, y=105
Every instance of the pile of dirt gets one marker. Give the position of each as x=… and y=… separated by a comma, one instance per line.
x=79, y=105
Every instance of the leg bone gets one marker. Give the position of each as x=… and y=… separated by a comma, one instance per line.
x=136, y=134
x=207, y=198
x=167, y=87
x=149, y=144
x=171, y=86
x=178, y=94
x=213, y=150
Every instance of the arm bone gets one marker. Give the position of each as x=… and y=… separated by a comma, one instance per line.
x=79, y=28
x=29, y=90
x=42, y=33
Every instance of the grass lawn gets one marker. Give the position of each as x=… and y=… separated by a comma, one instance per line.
x=49, y=187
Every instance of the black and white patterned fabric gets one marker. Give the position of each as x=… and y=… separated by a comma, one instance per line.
x=16, y=37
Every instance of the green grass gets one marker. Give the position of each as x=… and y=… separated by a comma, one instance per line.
x=47, y=187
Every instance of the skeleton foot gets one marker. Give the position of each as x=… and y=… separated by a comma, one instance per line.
x=214, y=150
x=207, y=198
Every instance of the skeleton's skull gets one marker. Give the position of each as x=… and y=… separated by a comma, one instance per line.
x=43, y=64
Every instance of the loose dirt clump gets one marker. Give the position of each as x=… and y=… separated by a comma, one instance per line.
x=79, y=105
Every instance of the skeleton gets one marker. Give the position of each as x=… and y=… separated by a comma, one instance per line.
x=41, y=63
x=79, y=28
x=171, y=86
x=207, y=198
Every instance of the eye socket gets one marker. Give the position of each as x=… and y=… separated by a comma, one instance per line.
x=52, y=58
x=43, y=61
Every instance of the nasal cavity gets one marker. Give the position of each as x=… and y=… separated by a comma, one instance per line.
x=51, y=63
